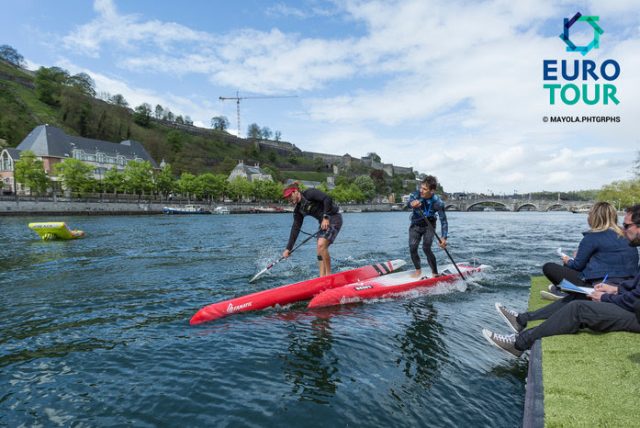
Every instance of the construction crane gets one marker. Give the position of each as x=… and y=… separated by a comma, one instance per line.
x=237, y=98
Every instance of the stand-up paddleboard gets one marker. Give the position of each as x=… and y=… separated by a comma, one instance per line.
x=291, y=293
x=55, y=230
x=389, y=286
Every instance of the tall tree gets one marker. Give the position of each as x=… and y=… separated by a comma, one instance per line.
x=118, y=100
x=11, y=55
x=74, y=174
x=113, y=181
x=29, y=171
x=138, y=177
x=220, y=123
x=266, y=133
x=142, y=115
x=159, y=112
x=277, y=136
x=254, y=131
x=84, y=83
x=165, y=182
x=49, y=83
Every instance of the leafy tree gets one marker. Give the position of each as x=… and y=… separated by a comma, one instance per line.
x=113, y=181
x=266, y=190
x=169, y=116
x=366, y=186
x=621, y=193
x=220, y=123
x=266, y=133
x=49, y=83
x=188, y=121
x=138, y=177
x=29, y=171
x=211, y=186
x=142, y=115
x=74, y=174
x=84, y=83
x=165, y=182
x=275, y=173
x=187, y=184
x=174, y=138
x=118, y=100
x=254, y=131
x=277, y=136
x=159, y=112
x=11, y=55
x=180, y=120
x=238, y=188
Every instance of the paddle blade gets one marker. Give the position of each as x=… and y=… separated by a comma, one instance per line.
x=259, y=274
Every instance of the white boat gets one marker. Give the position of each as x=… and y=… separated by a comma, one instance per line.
x=221, y=210
x=187, y=209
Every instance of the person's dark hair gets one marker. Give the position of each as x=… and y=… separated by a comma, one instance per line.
x=635, y=213
x=431, y=182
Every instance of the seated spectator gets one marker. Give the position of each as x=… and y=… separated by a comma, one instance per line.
x=603, y=252
x=609, y=308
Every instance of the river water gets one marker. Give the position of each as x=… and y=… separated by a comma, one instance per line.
x=96, y=331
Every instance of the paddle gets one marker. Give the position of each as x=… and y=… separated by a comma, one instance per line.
x=263, y=271
x=440, y=241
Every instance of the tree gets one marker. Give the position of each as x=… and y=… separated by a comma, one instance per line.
x=220, y=123
x=113, y=181
x=159, y=112
x=142, y=115
x=187, y=184
x=138, y=177
x=49, y=83
x=254, y=131
x=621, y=193
x=169, y=116
x=118, y=100
x=180, y=120
x=11, y=55
x=29, y=171
x=174, y=138
x=266, y=132
x=84, y=83
x=74, y=174
x=277, y=136
x=366, y=186
x=165, y=182
x=239, y=188
x=211, y=186
x=188, y=120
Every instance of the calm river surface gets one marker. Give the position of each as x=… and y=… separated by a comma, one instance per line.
x=96, y=331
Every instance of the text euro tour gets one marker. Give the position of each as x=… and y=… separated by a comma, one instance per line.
x=586, y=71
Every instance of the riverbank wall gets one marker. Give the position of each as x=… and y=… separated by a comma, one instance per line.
x=62, y=206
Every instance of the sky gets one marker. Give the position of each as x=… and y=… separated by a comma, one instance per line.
x=451, y=88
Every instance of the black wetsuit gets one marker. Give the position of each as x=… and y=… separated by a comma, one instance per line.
x=317, y=204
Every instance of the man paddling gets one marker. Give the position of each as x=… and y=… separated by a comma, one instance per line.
x=426, y=204
x=319, y=205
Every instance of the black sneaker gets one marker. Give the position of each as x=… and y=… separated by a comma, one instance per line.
x=506, y=342
x=510, y=317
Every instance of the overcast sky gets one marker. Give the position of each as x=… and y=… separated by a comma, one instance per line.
x=453, y=88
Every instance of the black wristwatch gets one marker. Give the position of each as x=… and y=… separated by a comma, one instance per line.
x=325, y=217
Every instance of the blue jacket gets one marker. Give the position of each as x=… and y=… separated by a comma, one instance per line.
x=628, y=295
x=603, y=254
x=429, y=207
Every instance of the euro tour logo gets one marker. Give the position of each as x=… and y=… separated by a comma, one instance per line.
x=585, y=70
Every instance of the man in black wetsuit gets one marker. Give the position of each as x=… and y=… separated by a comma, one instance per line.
x=425, y=205
x=319, y=205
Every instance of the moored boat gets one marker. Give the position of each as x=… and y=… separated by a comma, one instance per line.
x=187, y=209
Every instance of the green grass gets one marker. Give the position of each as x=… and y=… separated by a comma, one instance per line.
x=590, y=379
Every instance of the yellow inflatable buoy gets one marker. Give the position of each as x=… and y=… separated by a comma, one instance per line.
x=55, y=230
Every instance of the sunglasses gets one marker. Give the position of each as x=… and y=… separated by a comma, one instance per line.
x=628, y=225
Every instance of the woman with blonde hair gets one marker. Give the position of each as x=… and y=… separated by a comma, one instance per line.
x=603, y=253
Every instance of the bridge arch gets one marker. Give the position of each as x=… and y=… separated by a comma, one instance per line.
x=493, y=203
x=557, y=207
x=452, y=207
x=524, y=207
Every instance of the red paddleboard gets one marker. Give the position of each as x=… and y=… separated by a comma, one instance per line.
x=390, y=286
x=290, y=293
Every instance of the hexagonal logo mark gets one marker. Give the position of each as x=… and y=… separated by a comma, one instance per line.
x=591, y=20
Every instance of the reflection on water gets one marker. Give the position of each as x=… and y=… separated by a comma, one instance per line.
x=308, y=365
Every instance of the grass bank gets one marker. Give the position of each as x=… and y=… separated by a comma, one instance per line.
x=589, y=379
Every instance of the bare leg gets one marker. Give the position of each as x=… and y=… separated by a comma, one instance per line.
x=324, y=265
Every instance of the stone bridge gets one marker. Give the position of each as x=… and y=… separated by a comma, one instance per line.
x=516, y=204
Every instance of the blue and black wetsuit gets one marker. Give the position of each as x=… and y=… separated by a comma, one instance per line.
x=419, y=229
x=318, y=205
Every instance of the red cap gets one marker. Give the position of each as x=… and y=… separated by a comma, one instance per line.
x=289, y=190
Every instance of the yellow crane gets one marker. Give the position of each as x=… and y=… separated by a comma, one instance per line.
x=237, y=98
